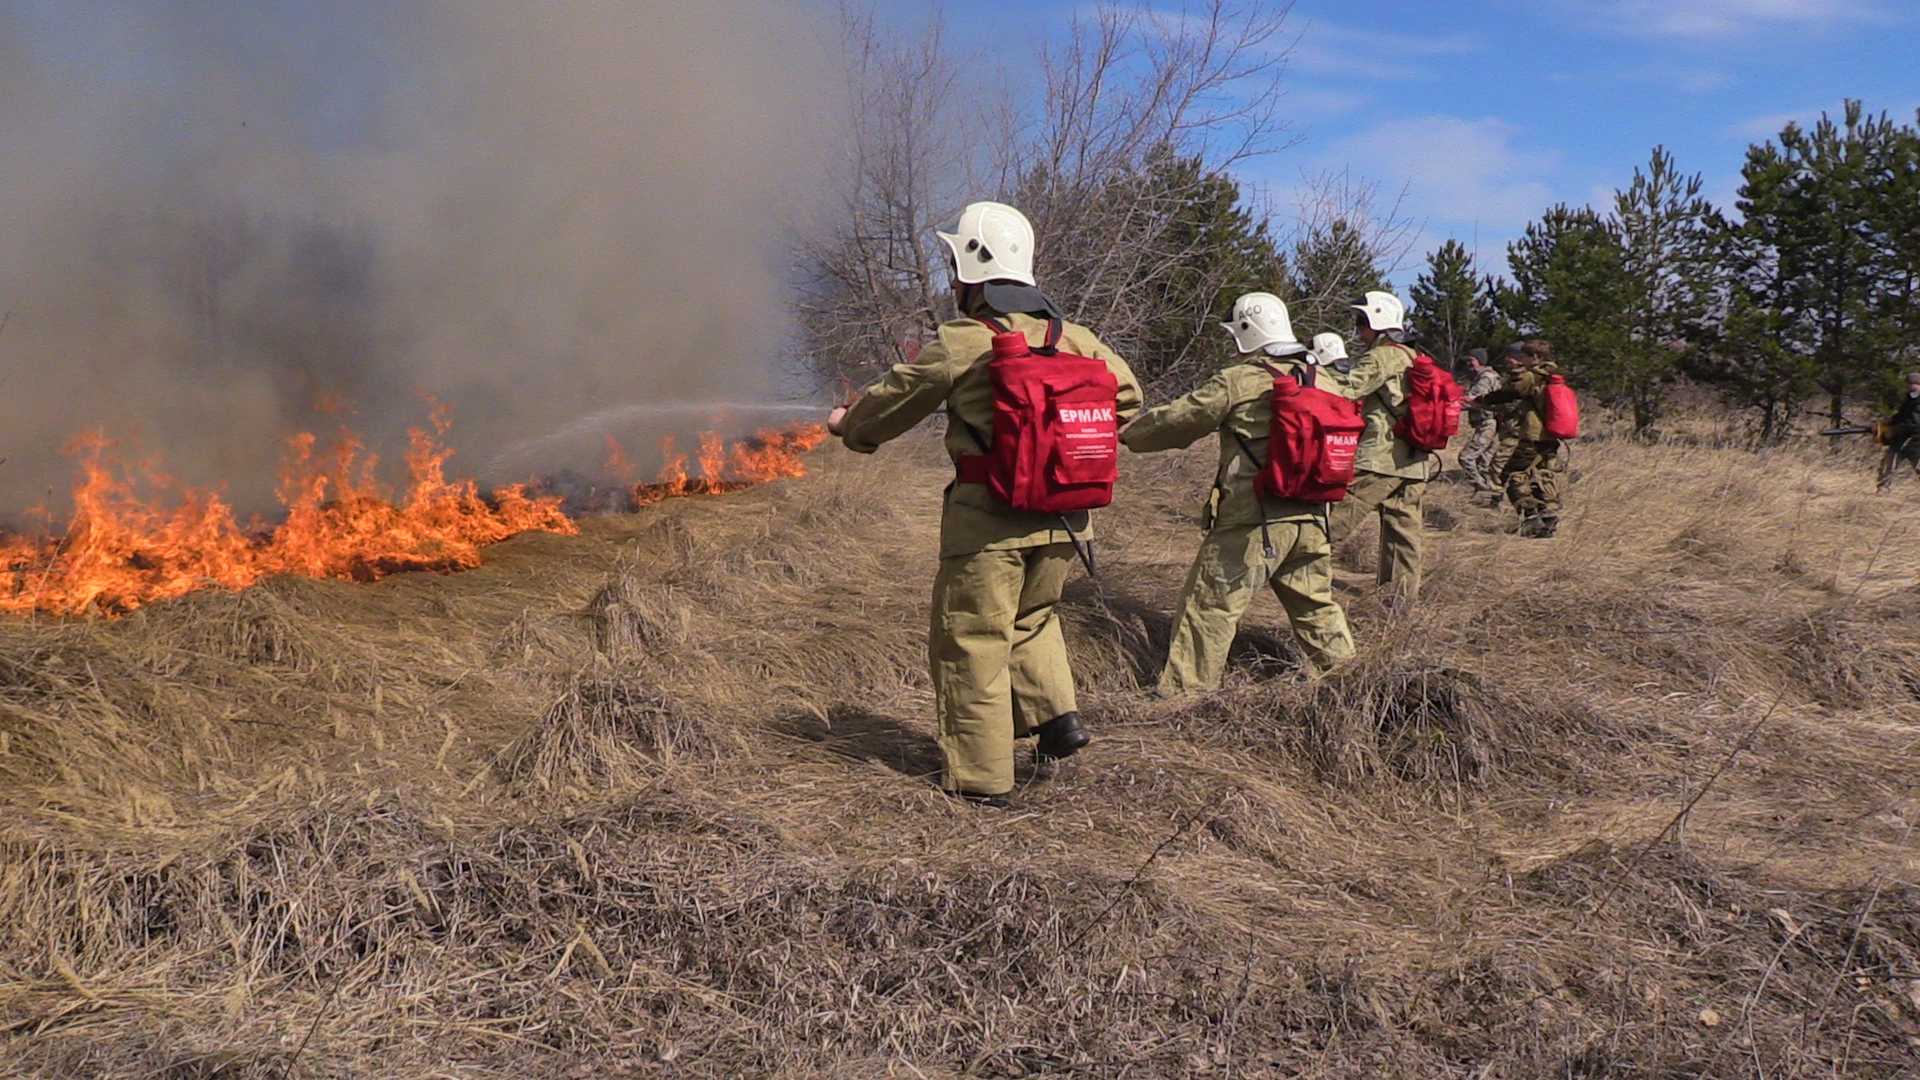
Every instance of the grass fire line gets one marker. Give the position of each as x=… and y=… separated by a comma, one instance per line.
x=124, y=548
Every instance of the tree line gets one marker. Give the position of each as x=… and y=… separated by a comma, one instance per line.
x=1125, y=155
x=1803, y=297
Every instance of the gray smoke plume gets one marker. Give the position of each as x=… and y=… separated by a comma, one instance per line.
x=222, y=221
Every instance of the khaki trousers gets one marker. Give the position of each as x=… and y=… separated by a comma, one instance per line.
x=1231, y=567
x=998, y=659
x=1397, y=500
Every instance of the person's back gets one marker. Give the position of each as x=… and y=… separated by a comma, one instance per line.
x=1251, y=539
x=1391, y=474
x=1903, y=434
x=995, y=649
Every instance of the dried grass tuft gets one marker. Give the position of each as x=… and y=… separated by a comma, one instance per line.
x=606, y=734
x=1847, y=662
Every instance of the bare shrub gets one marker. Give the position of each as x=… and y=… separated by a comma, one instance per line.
x=1122, y=161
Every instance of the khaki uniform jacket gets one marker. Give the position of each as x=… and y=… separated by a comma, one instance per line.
x=1528, y=389
x=1379, y=382
x=1237, y=400
x=952, y=371
x=1484, y=384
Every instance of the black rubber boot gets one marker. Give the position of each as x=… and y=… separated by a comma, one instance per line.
x=995, y=802
x=1061, y=737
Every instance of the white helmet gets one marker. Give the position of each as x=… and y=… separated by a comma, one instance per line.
x=1329, y=347
x=1383, y=310
x=1260, y=321
x=991, y=242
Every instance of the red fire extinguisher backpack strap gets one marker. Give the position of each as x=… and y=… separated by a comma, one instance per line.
x=973, y=468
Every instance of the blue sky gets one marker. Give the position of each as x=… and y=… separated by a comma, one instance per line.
x=1489, y=111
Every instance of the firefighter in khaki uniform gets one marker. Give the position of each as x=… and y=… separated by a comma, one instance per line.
x=1251, y=541
x=1532, y=473
x=998, y=659
x=1390, y=476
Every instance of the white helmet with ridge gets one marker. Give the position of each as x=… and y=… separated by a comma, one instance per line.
x=1259, y=321
x=1329, y=347
x=990, y=242
x=1383, y=310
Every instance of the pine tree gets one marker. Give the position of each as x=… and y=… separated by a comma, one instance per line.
x=1569, y=274
x=1449, y=304
x=1815, y=206
x=1332, y=266
x=1668, y=240
x=1215, y=250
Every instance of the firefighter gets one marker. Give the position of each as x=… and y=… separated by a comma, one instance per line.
x=1903, y=434
x=998, y=660
x=1330, y=350
x=1532, y=474
x=1477, y=456
x=1250, y=540
x=1390, y=476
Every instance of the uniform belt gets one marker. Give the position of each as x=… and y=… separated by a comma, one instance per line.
x=970, y=469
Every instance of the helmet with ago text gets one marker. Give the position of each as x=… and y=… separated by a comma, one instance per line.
x=1260, y=322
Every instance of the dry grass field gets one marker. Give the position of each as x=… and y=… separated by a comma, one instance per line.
x=658, y=800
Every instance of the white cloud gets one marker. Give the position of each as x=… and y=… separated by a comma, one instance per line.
x=1724, y=18
x=1327, y=49
x=1455, y=170
x=1767, y=127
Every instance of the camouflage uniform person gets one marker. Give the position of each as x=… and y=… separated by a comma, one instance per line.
x=1477, y=456
x=1251, y=541
x=1903, y=434
x=998, y=660
x=1390, y=475
x=1532, y=474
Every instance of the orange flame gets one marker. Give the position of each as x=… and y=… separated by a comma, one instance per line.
x=770, y=454
x=120, y=551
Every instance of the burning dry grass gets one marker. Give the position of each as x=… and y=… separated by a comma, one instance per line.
x=655, y=800
x=128, y=544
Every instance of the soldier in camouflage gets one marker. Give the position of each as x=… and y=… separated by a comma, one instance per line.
x=1532, y=475
x=1477, y=455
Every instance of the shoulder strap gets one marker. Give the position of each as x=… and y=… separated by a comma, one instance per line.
x=1055, y=328
x=1305, y=376
x=1245, y=446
